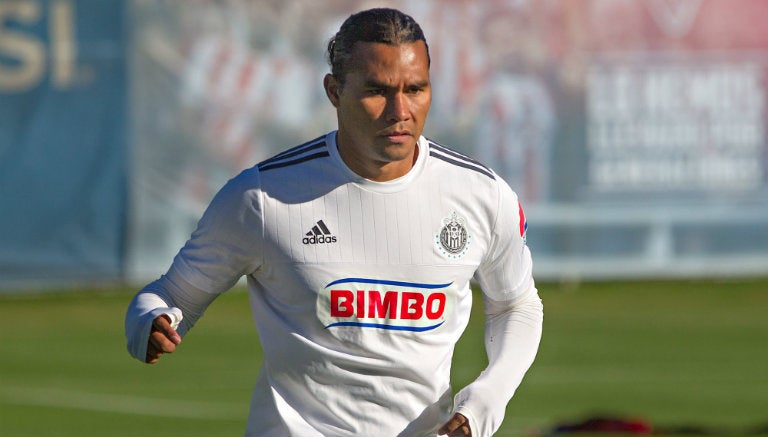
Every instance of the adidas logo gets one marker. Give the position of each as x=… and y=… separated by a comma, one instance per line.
x=319, y=235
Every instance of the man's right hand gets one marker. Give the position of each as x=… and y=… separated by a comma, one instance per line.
x=163, y=339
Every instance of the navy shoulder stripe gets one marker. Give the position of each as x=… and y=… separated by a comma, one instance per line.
x=309, y=145
x=305, y=152
x=456, y=158
x=264, y=167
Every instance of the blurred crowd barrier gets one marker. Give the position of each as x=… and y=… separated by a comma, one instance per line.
x=634, y=131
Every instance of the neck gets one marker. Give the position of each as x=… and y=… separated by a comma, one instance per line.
x=377, y=169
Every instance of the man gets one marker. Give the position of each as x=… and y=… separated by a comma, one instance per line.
x=358, y=248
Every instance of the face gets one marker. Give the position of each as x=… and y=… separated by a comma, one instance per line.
x=382, y=107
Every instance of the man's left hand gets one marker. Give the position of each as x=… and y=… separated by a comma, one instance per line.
x=458, y=426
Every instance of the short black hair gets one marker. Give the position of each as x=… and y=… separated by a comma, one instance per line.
x=382, y=25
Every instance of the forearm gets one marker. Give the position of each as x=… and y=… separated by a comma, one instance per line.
x=512, y=337
x=169, y=295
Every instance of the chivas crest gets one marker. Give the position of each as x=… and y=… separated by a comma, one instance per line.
x=453, y=239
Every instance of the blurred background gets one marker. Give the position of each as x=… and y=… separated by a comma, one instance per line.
x=633, y=130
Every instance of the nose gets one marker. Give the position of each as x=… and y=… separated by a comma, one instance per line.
x=398, y=107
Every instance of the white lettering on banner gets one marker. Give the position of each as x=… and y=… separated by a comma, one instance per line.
x=675, y=125
x=25, y=57
x=384, y=304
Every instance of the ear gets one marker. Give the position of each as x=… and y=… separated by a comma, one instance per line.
x=332, y=88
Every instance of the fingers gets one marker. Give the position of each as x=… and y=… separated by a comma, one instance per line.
x=162, y=339
x=457, y=426
x=153, y=355
x=162, y=324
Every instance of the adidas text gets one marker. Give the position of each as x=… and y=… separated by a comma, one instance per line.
x=319, y=239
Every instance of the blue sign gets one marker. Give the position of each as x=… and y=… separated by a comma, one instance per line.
x=63, y=147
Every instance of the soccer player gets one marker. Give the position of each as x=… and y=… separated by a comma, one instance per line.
x=358, y=248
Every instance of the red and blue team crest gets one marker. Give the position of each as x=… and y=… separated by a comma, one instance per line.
x=523, y=222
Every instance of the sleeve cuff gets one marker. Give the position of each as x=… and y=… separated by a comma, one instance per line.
x=142, y=326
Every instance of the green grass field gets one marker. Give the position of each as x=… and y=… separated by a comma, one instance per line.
x=672, y=352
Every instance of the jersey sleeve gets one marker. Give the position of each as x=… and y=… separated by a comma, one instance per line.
x=514, y=318
x=171, y=296
x=505, y=275
x=227, y=243
x=225, y=246
x=512, y=336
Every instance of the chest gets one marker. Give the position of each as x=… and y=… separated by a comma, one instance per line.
x=399, y=263
x=357, y=227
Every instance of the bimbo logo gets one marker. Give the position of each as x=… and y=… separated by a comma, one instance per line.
x=383, y=304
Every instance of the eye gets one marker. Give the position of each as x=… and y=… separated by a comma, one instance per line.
x=376, y=91
x=415, y=90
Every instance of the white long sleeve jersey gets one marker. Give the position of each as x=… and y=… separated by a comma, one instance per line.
x=360, y=290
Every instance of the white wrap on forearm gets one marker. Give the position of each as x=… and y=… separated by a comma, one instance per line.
x=170, y=295
x=512, y=336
